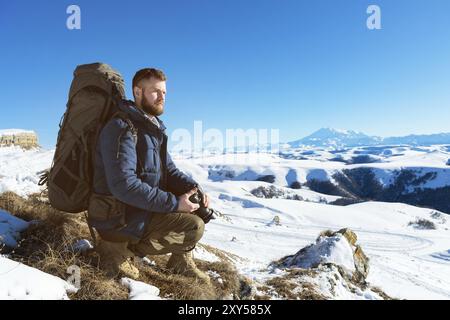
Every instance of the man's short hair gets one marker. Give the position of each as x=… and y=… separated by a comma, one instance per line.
x=148, y=73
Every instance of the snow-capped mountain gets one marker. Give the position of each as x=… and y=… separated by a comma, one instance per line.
x=329, y=137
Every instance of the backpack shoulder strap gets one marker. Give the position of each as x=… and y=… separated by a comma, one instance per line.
x=126, y=118
x=130, y=126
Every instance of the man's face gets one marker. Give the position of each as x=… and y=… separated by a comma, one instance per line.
x=151, y=96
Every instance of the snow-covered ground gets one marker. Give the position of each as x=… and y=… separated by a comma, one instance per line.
x=20, y=282
x=10, y=228
x=406, y=262
x=19, y=169
x=140, y=290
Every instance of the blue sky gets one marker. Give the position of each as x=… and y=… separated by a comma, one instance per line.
x=291, y=65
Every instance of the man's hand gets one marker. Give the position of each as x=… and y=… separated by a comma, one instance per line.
x=205, y=200
x=185, y=205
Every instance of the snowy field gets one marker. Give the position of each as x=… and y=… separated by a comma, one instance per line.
x=407, y=262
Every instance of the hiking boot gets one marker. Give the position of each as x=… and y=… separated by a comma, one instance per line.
x=184, y=264
x=115, y=259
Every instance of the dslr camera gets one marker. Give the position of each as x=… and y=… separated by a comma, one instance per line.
x=207, y=214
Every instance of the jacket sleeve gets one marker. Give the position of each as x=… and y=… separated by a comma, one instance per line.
x=178, y=182
x=118, y=150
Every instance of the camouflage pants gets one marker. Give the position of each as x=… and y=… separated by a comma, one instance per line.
x=170, y=233
x=161, y=232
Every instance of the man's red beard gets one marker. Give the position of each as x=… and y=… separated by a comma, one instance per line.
x=154, y=109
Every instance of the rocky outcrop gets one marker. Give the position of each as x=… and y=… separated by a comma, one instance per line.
x=339, y=248
x=334, y=267
x=24, y=139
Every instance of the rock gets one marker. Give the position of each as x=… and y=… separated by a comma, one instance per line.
x=349, y=235
x=423, y=224
x=22, y=138
x=82, y=246
x=247, y=290
x=271, y=192
x=361, y=265
x=267, y=178
x=276, y=221
x=337, y=248
x=361, y=260
x=295, y=185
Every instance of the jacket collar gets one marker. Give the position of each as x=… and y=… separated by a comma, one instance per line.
x=136, y=114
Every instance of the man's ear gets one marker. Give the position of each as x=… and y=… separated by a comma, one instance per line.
x=137, y=92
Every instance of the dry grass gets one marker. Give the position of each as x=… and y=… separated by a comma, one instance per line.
x=295, y=284
x=48, y=246
x=222, y=255
x=290, y=286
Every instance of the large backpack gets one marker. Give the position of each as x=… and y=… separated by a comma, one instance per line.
x=94, y=95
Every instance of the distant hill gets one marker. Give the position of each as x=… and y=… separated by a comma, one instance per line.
x=24, y=138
